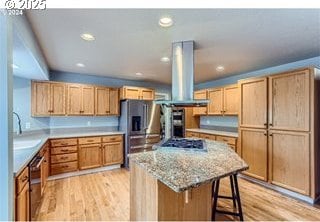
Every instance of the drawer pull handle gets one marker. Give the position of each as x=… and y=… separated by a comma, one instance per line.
x=64, y=144
x=90, y=140
x=64, y=158
x=64, y=150
x=65, y=166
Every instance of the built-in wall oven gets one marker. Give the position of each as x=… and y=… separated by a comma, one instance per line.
x=178, y=122
x=35, y=184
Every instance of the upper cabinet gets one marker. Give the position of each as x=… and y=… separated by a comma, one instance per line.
x=290, y=91
x=61, y=99
x=131, y=92
x=48, y=99
x=80, y=99
x=200, y=94
x=222, y=101
x=107, y=101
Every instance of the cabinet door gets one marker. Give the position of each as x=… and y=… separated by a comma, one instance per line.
x=132, y=93
x=253, y=149
x=112, y=153
x=89, y=156
x=215, y=97
x=58, y=99
x=23, y=205
x=253, y=103
x=289, y=101
x=231, y=100
x=102, y=101
x=74, y=99
x=87, y=100
x=289, y=160
x=201, y=94
x=41, y=99
x=114, y=102
x=44, y=170
x=147, y=94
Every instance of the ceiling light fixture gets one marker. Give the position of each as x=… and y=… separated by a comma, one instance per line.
x=14, y=66
x=139, y=74
x=80, y=65
x=87, y=37
x=165, y=59
x=220, y=68
x=165, y=22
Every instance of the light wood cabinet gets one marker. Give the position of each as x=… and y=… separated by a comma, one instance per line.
x=289, y=101
x=114, y=102
x=80, y=99
x=231, y=100
x=22, y=203
x=90, y=156
x=254, y=151
x=48, y=99
x=107, y=101
x=200, y=94
x=112, y=153
x=215, y=106
x=253, y=103
x=222, y=101
x=131, y=92
x=44, y=169
x=289, y=160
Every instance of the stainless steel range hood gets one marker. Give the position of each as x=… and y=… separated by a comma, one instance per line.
x=182, y=77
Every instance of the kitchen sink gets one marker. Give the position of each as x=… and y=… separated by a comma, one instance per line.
x=25, y=144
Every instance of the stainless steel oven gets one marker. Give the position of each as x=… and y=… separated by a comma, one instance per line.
x=35, y=184
x=178, y=122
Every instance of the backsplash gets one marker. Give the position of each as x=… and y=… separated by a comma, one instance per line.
x=86, y=121
x=224, y=121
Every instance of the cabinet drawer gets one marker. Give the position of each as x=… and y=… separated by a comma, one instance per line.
x=64, y=158
x=115, y=138
x=192, y=134
x=22, y=180
x=89, y=140
x=63, y=142
x=62, y=150
x=207, y=136
x=64, y=167
x=228, y=140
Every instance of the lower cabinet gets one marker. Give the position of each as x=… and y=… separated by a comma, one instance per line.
x=254, y=151
x=112, y=153
x=90, y=156
x=289, y=160
x=22, y=208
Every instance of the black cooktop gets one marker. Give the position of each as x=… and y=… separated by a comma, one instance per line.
x=193, y=144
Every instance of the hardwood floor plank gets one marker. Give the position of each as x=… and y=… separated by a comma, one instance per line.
x=105, y=196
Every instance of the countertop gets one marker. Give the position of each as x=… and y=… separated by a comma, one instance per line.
x=23, y=156
x=181, y=170
x=214, y=132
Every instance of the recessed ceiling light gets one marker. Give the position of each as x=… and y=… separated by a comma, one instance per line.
x=165, y=59
x=80, y=65
x=87, y=37
x=220, y=68
x=139, y=74
x=165, y=21
x=14, y=66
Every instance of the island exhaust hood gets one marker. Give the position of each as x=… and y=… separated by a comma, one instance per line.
x=182, y=77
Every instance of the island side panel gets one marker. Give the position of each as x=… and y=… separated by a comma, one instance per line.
x=191, y=205
x=143, y=195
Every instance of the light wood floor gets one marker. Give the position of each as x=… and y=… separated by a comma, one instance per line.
x=105, y=196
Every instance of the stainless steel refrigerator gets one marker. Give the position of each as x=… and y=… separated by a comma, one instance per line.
x=140, y=120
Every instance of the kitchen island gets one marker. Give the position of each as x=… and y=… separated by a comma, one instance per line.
x=171, y=184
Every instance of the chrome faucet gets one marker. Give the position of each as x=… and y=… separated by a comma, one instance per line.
x=19, y=123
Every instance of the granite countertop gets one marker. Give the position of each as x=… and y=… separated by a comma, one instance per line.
x=181, y=170
x=22, y=157
x=214, y=132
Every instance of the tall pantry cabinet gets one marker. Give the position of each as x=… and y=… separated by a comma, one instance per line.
x=278, y=129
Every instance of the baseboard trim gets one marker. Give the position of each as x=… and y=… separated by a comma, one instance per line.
x=286, y=192
x=84, y=172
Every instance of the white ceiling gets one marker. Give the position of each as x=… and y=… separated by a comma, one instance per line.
x=130, y=40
